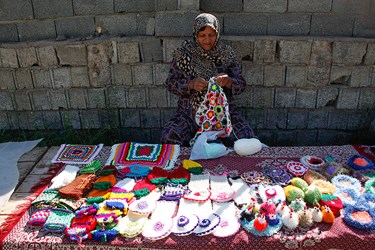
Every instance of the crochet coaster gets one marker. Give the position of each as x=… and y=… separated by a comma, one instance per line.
x=344, y=181
x=136, y=171
x=131, y=225
x=179, y=176
x=92, y=167
x=143, y=188
x=186, y=221
x=157, y=176
x=208, y=220
x=58, y=220
x=242, y=191
x=39, y=217
x=296, y=168
x=198, y=188
x=76, y=154
x=192, y=166
x=220, y=188
x=278, y=174
x=172, y=192
x=312, y=162
x=160, y=224
x=255, y=177
x=229, y=224
x=360, y=162
x=144, y=154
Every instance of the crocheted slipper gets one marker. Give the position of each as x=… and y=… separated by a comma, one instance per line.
x=199, y=188
x=145, y=205
x=160, y=224
x=229, y=224
x=344, y=181
x=179, y=176
x=312, y=162
x=157, y=176
x=131, y=225
x=172, y=192
x=220, y=188
x=185, y=222
x=242, y=192
x=208, y=220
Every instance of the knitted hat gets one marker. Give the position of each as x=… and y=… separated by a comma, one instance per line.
x=179, y=176
x=92, y=167
x=105, y=182
x=143, y=188
x=333, y=202
x=157, y=176
x=192, y=166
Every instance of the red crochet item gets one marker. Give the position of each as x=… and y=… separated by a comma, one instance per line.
x=333, y=202
x=143, y=188
x=157, y=176
x=179, y=176
x=88, y=222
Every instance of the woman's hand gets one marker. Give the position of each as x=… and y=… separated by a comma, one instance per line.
x=224, y=80
x=198, y=84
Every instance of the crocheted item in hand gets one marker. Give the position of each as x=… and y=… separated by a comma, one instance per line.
x=39, y=217
x=220, y=188
x=143, y=188
x=79, y=187
x=186, y=221
x=76, y=154
x=58, y=220
x=145, y=154
x=229, y=224
x=157, y=176
x=213, y=112
x=179, y=176
x=105, y=182
x=92, y=167
x=199, y=188
x=192, y=166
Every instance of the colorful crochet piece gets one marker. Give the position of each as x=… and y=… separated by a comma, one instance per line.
x=359, y=162
x=58, y=220
x=92, y=167
x=192, y=166
x=76, y=154
x=39, y=217
x=144, y=154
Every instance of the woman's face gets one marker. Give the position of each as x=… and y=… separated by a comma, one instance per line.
x=207, y=38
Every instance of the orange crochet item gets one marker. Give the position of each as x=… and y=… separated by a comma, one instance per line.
x=79, y=187
x=328, y=215
x=105, y=182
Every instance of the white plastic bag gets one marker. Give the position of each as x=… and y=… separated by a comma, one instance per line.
x=203, y=149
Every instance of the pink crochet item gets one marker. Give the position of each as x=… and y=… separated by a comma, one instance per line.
x=220, y=188
x=39, y=217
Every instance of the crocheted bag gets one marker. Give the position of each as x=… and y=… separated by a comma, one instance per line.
x=58, y=220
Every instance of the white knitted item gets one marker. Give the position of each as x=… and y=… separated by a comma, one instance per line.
x=131, y=225
x=229, y=224
x=126, y=184
x=208, y=220
x=199, y=186
x=146, y=204
x=242, y=191
x=65, y=177
x=186, y=220
x=220, y=188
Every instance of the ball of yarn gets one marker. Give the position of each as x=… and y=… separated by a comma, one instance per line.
x=247, y=146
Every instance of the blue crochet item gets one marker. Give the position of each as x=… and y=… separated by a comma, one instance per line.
x=104, y=236
x=348, y=196
x=360, y=162
x=341, y=181
x=358, y=216
x=367, y=198
x=136, y=171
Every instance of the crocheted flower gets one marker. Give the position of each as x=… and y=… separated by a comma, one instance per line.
x=158, y=226
x=182, y=221
x=210, y=114
x=205, y=223
x=206, y=125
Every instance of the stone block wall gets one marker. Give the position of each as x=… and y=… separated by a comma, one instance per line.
x=310, y=66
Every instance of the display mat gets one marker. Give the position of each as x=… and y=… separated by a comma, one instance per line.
x=320, y=236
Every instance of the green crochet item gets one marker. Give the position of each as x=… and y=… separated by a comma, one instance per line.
x=182, y=181
x=370, y=186
x=45, y=198
x=92, y=200
x=92, y=167
x=104, y=185
x=58, y=220
x=293, y=192
x=141, y=192
x=300, y=183
x=159, y=181
x=313, y=195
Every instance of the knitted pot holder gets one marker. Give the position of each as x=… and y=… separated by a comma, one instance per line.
x=198, y=188
x=229, y=224
x=58, y=220
x=76, y=154
x=220, y=189
x=296, y=168
x=39, y=217
x=360, y=216
x=312, y=162
x=360, y=162
x=208, y=220
x=242, y=191
x=186, y=221
x=344, y=181
x=160, y=224
x=131, y=225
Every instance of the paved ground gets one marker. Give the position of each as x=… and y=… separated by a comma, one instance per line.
x=33, y=166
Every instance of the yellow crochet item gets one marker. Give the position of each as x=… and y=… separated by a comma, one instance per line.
x=192, y=166
x=300, y=183
x=325, y=187
x=105, y=210
x=293, y=192
x=116, y=195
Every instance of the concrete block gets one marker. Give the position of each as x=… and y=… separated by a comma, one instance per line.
x=264, y=51
x=172, y=100
x=363, y=8
x=337, y=120
x=318, y=76
x=174, y=24
x=321, y=53
x=61, y=77
x=297, y=52
x=109, y=119
x=253, y=74
x=6, y=79
x=367, y=99
x=4, y=124
x=52, y=8
x=364, y=27
x=157, y=97
x=23, y=121
x=285, y=98
x=22, y=100
x=317, y=119
x=37, y=30
x=289, y=25
x=274, y=75
x=52, y=120
x=150, y=118
x=165, y=5
x=361, y=76
x=317, y=6
x=160, y=73
x=359, y=120
x=146, y=24
x=134, y=5
x=27, y=57
x=326, y=137
x=8, y=33
x=122, y=74
x=80, y=77
x=99, y=64
x=306, y=137
x=221, y=6
x=13, y=120
x=295, y=76
x=9, y=58
x=285, y=138
x=90, y=119
x=169, y=46
x=23, y=79
x=41, y=78
x=58, y=99
x=246, y=98
x=16, y=10
x=6, y=100
x=340, y=75
x=130, y=118
x=327, y=97
x=276, y=119
x=370, y=54
x=116, y=97
x=77, y=98
x=244, y=49
x=188, y=5
x=35, y=121
x=142, y=74
x=306, y=98
x=73, y=55
x=47, y=56
x=71, y=118
x=271, y=6
x=256, y=118
x=263, y=97
x=128, y=52
x=93, y=7
x=238, y=25
x=151, y=50
x=96, y=98
x=137, y=98
x=119, y=25
x=326, y=25
x=348, y=98
x=296, y=119
x=75, y=27
x=348, y=53
x=40, y=100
